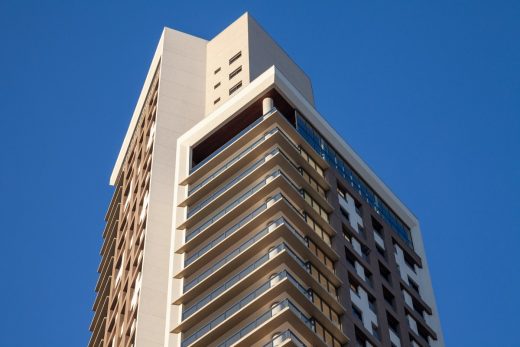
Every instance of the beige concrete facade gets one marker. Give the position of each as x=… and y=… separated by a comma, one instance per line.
x=229, y=228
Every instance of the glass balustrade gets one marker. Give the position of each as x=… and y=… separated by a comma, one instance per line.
x=191, y=234
x=213, y=196
x=284, y=336
x=309, y=322
x=236, y=137
x=242, y=248
x=231, y=206
x=245, y=301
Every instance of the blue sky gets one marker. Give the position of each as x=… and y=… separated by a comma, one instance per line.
x=427, y=92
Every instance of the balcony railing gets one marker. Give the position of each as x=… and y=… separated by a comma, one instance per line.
x=242, y=248
x=227, y=186
x=227, y=144
x=272, y=252
x=249, y=269
x=244, y=302
x=227, y=233
x=194, y=209
x=284, y=336
x=239, y=200
x=231, y=206
x=309, y=322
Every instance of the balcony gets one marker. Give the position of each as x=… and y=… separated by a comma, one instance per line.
x=278, y=228
x=275, y=256
x=255, y=294
x=274, y=182
x=273, y=317
x=286, y=338
x=276, y=206
x=210, y=167
x=275, y=158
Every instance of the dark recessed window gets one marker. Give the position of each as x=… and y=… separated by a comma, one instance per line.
x=385, y=273
x=235, y=57
x=357, y=312
x=216, y=71
x=414, y=285
x=381, y=251
x=235, y=87
x=393, y=324
x=235, y=72
x=216, y=85
x=344, y=213
x=216, y=101
x=389, y=297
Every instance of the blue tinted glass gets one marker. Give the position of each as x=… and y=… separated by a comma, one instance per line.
x=329, y=154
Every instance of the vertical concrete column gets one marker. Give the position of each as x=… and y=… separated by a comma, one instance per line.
x=267, y=105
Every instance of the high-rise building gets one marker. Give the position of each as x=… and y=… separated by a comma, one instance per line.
x=240, y=217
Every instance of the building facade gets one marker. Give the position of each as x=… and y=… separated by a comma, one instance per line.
x=241, y=218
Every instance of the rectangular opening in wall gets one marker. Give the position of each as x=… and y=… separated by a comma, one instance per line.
x=235, y=88
x=389, y=297
x=216, y=85
x=235, y=72
x=235, y=57
x=216, y=101
x=357, y=312
x=393, y=324
x=385, y=273
x=217, y=70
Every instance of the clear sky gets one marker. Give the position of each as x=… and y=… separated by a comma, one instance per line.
x=427, y=92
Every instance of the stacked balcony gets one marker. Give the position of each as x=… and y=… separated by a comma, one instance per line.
x=257, y=250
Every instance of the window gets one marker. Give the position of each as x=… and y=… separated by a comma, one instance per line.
x=346, y=234
x=409, y=261
x=357, y=312
x=378, y=228
x=322, y=280
x=414, y=285
x=393, y=324
x=235, y=72
x=322, y=147
x=385, y=273
x=321, y=255
x=418, y=308
x=316, y=227
x=216, y=85
x=351, y=259
x=372, y=303
x=341, y=192
x=354, y=285
x=368, y=278
x=375, y=331
x=344, y=213
x=312, y=182
x=381, y=251
x=316, y=207
x=365, y=251
x=235, y=87
x=361, y=231
x=216, y=71
x=389, y=297
x=216, y=101
x=358, y=208
x=235, y=57
x=311, y=162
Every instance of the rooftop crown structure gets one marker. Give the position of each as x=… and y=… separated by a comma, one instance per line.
x=241, y=218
